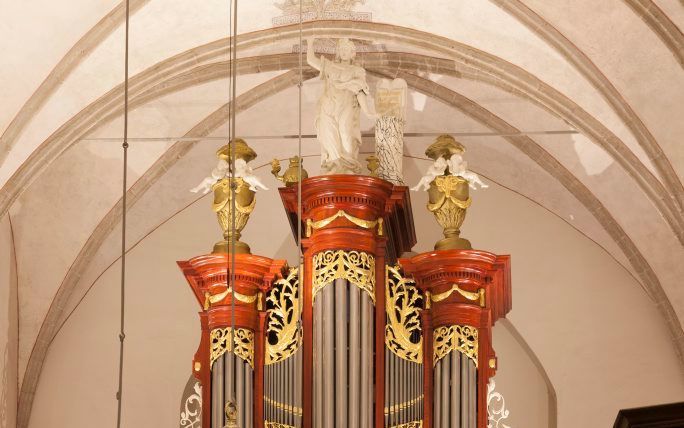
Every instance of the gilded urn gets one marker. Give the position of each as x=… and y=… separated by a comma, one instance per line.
x=223, y=205
x=448, y=196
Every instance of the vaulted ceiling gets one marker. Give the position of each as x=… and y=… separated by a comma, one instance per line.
x=584, y=100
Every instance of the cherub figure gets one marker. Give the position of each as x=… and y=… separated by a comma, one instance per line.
x=222, y=170
x=459, y=167
x=247, y=173
x=217, y=173
x=435, y=170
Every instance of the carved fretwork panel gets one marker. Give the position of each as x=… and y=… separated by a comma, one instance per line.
x=284, y=312
x=403, y=303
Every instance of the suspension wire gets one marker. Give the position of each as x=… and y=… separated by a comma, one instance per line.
x=299, y=146
x=233, y=185
x=122, y=334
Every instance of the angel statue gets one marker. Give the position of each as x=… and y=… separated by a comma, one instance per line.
x=221, y=171
x=345, y=94
x=459, y=167
x=242, y=170
x=435, y=170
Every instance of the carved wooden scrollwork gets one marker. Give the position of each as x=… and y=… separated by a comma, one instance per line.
x=243, y=339
x=402, y=331
x=284, y=330
x=356, y=267
x=461, y=338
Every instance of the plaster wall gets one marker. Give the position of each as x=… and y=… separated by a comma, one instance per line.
x=8, y=327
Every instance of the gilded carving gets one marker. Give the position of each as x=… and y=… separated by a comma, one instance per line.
x=478, y=296
x=288, y=408
x=414, y=424
x=269, y=424
x=356, y=267
x=461, y=338
x=291, y=175
x=366, y=224
x=405, y=405
x=284, y=329
x=402, y=331
x=210, y=299
x=220, y=344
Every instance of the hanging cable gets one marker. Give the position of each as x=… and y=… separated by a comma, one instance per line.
x=299, y=147
x=233, y=186
x=122, y=334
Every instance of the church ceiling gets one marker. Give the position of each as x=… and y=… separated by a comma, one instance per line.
x=608, y=75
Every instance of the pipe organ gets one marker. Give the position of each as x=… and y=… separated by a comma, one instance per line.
x=356, y=336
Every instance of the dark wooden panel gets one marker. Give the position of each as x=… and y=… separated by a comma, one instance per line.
x=662, y=416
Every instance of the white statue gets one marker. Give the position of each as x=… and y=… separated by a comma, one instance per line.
x=345, y=94
x=435, y=170
x=459, y=167
x=222, y=170
x=247, y=173
x=217, y=173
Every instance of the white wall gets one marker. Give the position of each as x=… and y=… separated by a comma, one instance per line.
x=579, y=311
x=8, y=327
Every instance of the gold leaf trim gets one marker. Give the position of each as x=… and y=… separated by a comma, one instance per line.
x=220, y=344
x=403, y=316
x=366, y=224
x=210, y=299
x=283, y=318
x=461, y=338
x=470, y=295
x=414, y=424
x=399, y=407
x=445, y=185
x=269, y=424
x=288, y=408
x=356, y=267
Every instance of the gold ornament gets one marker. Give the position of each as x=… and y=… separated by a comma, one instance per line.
x=479, y=296
x=414, y=424
x=444, y=146
x=220, y=344
x=399, y=407
x=210, y=299
x=231, y=415
x=403, y=316
x=448, y=201
x=373, y=164
x=223, y=199
x=356, y=267
x=288, y=408
x=269, y=424
x=448, y=196
x=366, y=224
x=245, y=201
x=461, y=338
x=283, y=318
x=291, y=175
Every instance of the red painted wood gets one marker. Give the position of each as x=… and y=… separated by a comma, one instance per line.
x=368, y=198
x=307, y=338
x=437, y=271
x=210, y=273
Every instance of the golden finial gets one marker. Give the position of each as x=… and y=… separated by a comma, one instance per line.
x=373, y=163
x=291, y=175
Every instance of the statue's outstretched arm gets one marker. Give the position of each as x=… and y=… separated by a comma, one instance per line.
x=311, y=55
